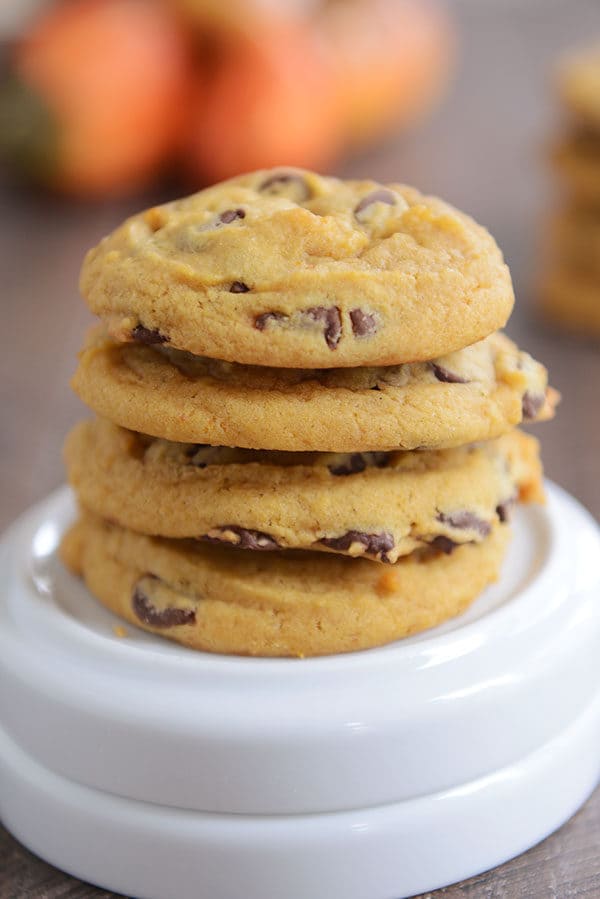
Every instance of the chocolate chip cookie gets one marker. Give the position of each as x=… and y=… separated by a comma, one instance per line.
x=286, y=268
x=306, y=438
x=221, y=599
x=474, y=394
x=377, y=505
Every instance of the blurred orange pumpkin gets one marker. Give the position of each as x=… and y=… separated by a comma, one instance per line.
x=391, y=59
x=97, y=97
x=270, y=101
x=232, y=17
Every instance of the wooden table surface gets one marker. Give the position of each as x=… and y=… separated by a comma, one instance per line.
x=483, y=151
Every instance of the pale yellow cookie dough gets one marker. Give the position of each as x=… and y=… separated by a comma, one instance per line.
x=287, y=268
x=376, y=505
x=274, y=604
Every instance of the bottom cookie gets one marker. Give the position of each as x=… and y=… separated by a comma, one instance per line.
x=225, y=600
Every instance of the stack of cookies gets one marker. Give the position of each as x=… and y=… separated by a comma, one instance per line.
x=570, y=290
x=305, y=440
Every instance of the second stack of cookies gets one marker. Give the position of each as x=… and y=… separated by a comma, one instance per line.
x=306, y=437
x=570, y=284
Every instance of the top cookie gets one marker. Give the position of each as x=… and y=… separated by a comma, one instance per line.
x=579, y=85
x=289, y=269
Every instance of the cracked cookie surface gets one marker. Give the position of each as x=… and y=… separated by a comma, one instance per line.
x=477, y=393
x=274, y=604
x=290, y=269
x=373, y=505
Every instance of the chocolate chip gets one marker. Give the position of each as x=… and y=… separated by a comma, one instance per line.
x=381, y=460
x=364, y=324
x=149, y=614
x=355, y=464
x=192, y=451
x=261, y=321
x=239, y=287
x=374, y=544
x=241, y=537
x=449, y=377
x=463, y=520
x=194, y=448
x=443, y=544
x=332, y=320
x=230, y=215
x=376, y=196
x=148, y=335
x=504, y=509
x=532, y=403
x=274, y=183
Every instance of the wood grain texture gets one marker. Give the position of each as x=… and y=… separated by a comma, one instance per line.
x=483, y=151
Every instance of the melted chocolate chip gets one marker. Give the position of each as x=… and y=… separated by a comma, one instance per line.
x=374, y=544
x=230, y=215
x=355, y=464
x=443, y=544
x=332, y=321
x=449, y=377
x=504, y=509
x=284, y=179
x=463, y=520
x=245, y=539
x=381, y=460
x=261, y=321
x=148, y=335
x=364, y=324
x=532, y=403
x=193, y=449
x=239, y=287
x=149, y=614
x=376, y=196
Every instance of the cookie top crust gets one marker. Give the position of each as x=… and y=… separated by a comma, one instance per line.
x=578, y=80
x=474, y=394
x=286, y=268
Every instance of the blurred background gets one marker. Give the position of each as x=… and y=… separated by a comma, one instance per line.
x=107, y=106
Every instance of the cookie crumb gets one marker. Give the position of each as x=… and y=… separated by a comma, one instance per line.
x=119, y=631
x=387, y=583
x=154, y=218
